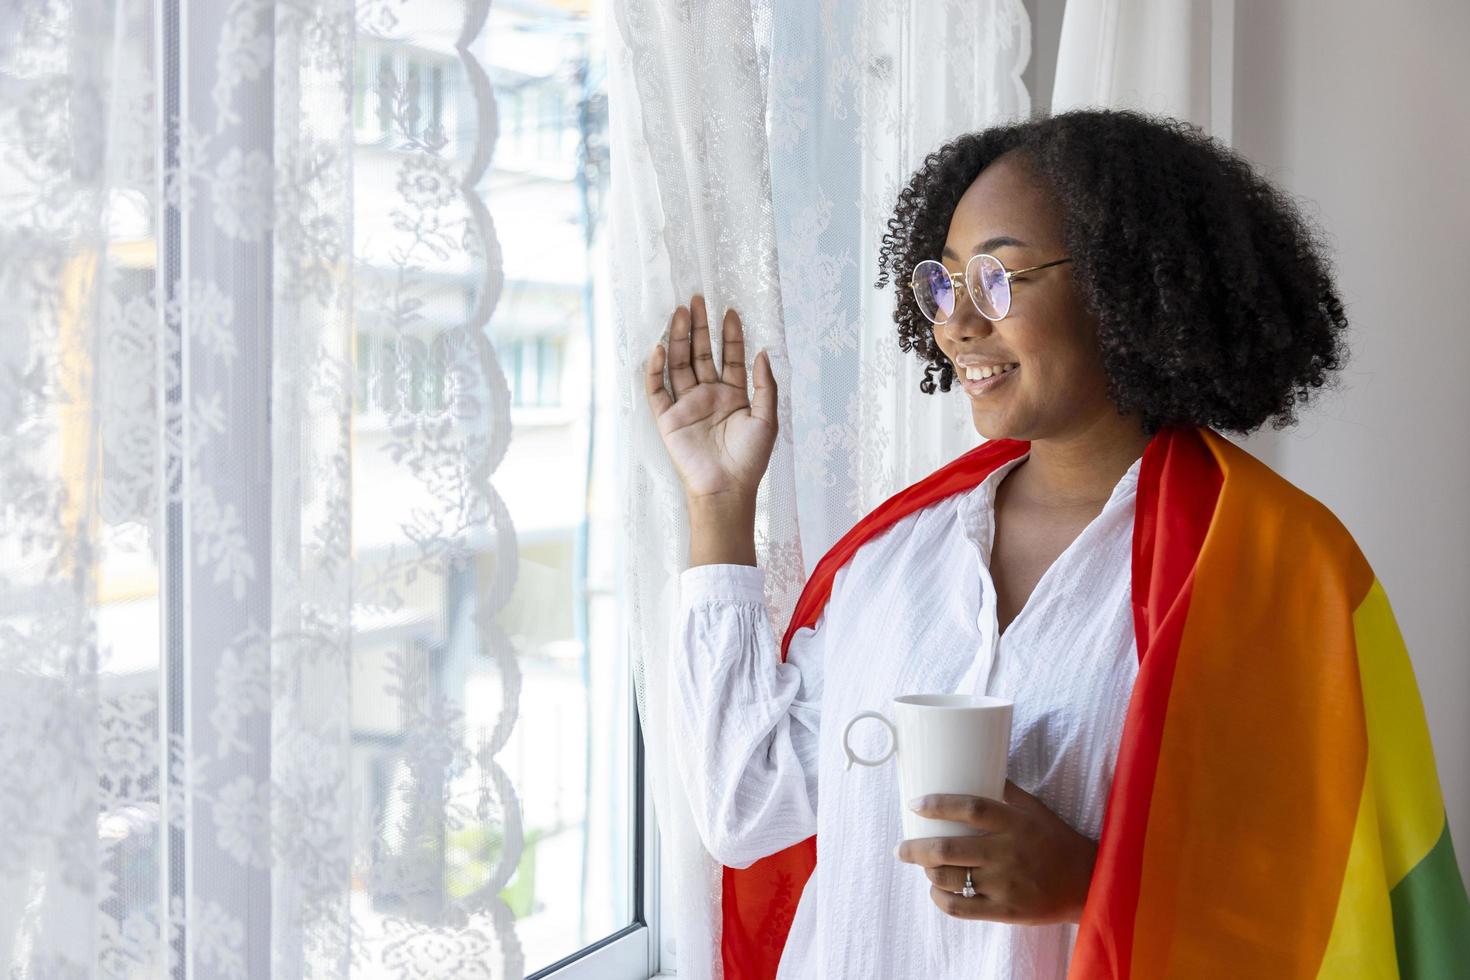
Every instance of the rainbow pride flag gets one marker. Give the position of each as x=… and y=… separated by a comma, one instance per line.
x=1275, y=810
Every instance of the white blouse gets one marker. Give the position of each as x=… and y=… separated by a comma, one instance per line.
x=758, y=742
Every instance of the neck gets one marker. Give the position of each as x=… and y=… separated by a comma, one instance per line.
x=1081, y=467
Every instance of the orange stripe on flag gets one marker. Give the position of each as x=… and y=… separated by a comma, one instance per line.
x=1263, y=755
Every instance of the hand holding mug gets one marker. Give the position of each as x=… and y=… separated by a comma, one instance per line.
x=1029, y=867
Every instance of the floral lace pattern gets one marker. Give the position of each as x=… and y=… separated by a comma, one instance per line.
x=760, y=149
x=182, y=547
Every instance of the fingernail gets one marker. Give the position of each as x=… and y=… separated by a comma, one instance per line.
x=896, y=848
x=917, y=803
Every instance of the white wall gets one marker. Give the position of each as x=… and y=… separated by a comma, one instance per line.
x=1364, y=108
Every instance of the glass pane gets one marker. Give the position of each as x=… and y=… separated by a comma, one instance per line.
x=571, y=751
x=569, y=755
x=530, y=384
x=550, y=372
x=388, y=377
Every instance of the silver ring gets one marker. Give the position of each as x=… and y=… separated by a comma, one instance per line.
x=969, y=889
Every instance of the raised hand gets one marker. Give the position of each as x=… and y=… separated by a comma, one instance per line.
x=719, y=439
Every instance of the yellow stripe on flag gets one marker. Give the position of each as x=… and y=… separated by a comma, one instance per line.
x=1400, y=757
x=1362, y=943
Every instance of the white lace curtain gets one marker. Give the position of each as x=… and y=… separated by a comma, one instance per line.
x=757, y=153
x=189, y=249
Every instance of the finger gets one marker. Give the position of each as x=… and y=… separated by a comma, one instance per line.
x=952, y=879
x=732, y=350
x=938, y=852
x=979, y=812
x=704, y=359
x=763, y=405
x=659, y=398
x=680, y=372
x=979, y=907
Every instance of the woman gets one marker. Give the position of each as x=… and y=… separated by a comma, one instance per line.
x=1111, y=289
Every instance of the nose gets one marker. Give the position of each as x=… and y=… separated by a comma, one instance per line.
x=966, y=323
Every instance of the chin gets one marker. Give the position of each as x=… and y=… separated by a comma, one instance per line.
x=992, y=428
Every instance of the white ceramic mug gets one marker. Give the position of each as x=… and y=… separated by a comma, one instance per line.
x=945, y=743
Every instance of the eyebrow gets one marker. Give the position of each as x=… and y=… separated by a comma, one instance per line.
x=988, y=245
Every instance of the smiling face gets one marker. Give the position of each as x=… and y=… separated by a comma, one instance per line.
x=1058, y=386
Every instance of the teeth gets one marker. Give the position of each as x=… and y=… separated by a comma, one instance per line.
x=981, y=373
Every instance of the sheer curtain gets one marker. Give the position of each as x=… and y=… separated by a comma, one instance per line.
x=190, y=243
x=1166, y=56
x=757, y=152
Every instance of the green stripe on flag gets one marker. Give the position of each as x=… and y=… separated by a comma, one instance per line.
x=1431, y=916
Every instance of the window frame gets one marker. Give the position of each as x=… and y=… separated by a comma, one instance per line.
x=633, y=952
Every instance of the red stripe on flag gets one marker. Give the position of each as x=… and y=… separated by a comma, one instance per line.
x=1178, y=486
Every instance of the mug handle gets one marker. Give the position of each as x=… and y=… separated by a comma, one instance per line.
x=853, y=756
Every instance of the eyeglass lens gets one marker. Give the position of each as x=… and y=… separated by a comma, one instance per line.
x=985, y=281
x=933, y=291
x=988, y=285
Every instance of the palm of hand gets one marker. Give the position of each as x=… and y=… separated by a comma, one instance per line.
x=716, y=444
x=719, y=441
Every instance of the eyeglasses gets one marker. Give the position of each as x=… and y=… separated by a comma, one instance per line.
x=985, y=279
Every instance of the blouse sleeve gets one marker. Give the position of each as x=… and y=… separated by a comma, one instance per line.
x=745, y=724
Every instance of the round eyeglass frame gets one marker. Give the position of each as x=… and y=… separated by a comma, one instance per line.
x=971, y=279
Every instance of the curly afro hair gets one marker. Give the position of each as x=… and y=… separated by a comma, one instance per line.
x=1213, y=295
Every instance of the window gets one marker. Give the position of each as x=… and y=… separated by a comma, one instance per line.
x=580, y=893
x=548, y=366
x=393, y=82
x=552, y=125
x=299, y=756
x=533, y=369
